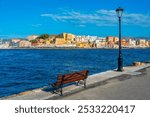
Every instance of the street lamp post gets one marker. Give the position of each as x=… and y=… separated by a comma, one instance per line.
x=119, y=12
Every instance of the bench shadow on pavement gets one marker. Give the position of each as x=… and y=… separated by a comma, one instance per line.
x=50, y=88
x=101, y=83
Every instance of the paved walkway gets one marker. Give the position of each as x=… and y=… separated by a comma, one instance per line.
x=125, y=87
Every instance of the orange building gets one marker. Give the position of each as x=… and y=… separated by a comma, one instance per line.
x=124, y=42
x=149, y=43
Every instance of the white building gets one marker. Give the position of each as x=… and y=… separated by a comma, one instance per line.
x=132, y=42
x=4, y=45
x=86, y=38
x=81, y=39
x=141, y=42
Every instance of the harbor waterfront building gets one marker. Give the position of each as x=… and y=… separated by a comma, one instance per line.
x=75, y=41
x=24, y=43
x=64, y=38
x=110, y=39
x=141, y=42
x=132, y=42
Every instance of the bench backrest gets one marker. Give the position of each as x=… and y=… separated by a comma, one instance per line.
x=68, y=78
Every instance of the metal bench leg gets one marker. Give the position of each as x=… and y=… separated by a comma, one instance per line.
x=61, y=91
x=84, y=83
x=54, y=88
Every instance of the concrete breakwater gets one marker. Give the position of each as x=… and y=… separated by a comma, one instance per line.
x=92, y=81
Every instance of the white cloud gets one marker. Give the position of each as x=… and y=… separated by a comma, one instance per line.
x=100, y=18
x=137, y=19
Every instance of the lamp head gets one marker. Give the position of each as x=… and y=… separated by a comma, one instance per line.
x=119, y=12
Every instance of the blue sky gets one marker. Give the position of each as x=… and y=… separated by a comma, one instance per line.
x=19, y=18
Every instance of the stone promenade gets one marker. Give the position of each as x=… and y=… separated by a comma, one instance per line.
x=124, y=87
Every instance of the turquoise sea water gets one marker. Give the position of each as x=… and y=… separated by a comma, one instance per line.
x=22, y=70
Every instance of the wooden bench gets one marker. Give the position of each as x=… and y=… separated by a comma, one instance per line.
x=69, y=78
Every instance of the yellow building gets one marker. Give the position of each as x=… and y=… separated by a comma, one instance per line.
x=60, y=41
x=116, y=39
x=69, y=38
x=83, y=45
x=47, y=42
x=64, y=38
